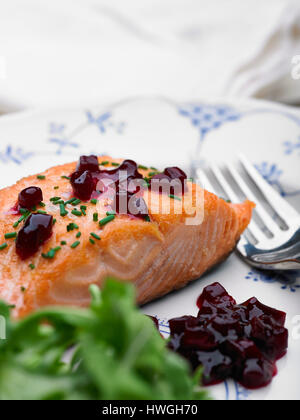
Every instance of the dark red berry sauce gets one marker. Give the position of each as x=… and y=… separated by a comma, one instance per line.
x=35, y=232
x=242, y=342
x=126, y=182
x=172, y=176
x=30, y=197
x=88, y=163
x=83, y=184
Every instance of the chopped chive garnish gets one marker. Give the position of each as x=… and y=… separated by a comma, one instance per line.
x=54, y=221
x=94, y=235
x=63, y=211
x=56, y=187
x=95, y=217
x=21, y=219
x=110, y=213
x=51, y=254
x=153, y=169
x=23, y=288
x=92, y=241
x=76, y=202
x=71, y=226
x=34, y=208
x=57, y=201
x=152, y=173
x=106, y=220
x=3, y=246
x=63, y=243
x=115, y=164
x=94, y=201
x=25, y=215
x=78, y=235
x=106, y=162
x=42, y=204
x=70, y=201
x=75, y=244
x=10, y=235
x=23, y=211
x=55, y=198
x=32, y=266
x=41, y=177
x=143, y=167
x=12, y=306
x=175, y=197
x=66, y=177
x=76, y=212
x=147, y=219
x=83, y=209
x=41, y=212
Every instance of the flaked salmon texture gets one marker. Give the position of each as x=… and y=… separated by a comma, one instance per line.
x=156, y=255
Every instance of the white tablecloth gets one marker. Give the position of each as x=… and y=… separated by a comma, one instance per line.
x=63, y=53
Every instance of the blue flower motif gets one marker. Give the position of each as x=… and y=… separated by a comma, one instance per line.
x=104, y=122
x=287, y=280
x=236, y=391
x=208, y=117
x=163, y=326
x=16, y=155
x=291, y=147
x=260, y=276
x=272, y=174
x=58, y=136
x=241, y=392
x=55, y=128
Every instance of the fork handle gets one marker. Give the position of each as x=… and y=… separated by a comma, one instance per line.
x=276, y=264
x=286, y=257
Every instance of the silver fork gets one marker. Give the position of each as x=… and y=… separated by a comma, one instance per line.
x=279, y=251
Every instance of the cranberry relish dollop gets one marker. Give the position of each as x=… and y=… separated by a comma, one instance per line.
x=35, y=232
x=229, y=340
x=127, y=181
x=30, y=197
x=173, y=176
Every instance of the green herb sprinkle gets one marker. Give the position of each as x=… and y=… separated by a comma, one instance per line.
x=10, y=235
x=94, y=235
x=106, y=220
x=75, y=244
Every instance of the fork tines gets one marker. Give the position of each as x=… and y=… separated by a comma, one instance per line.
x=282, y=208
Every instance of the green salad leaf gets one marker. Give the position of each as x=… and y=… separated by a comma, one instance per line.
x=109, y=351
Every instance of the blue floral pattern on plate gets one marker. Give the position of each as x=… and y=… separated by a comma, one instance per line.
x=15, y=155
x=208, y=117
x=287, y=280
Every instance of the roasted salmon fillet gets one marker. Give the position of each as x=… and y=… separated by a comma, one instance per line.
x=158, y=253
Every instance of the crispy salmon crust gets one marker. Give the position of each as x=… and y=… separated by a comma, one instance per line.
x=156, y=256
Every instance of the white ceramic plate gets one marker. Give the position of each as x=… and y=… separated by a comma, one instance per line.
x=162, y=133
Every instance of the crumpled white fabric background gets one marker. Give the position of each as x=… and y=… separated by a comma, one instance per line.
x=63, y=53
